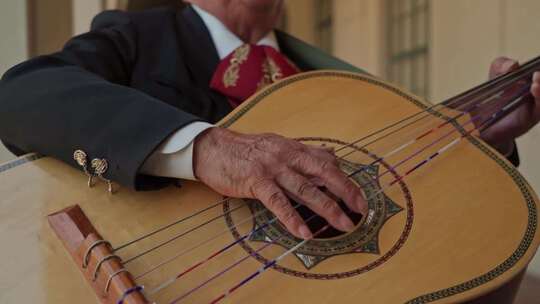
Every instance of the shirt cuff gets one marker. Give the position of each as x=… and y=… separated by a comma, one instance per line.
x=174, y=157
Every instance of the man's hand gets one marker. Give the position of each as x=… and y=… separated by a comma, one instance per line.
x=502, y=134
x=269, y=167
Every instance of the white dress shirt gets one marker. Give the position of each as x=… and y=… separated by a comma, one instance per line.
x=174, y=157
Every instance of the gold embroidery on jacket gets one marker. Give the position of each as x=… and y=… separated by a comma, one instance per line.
x=231, y=75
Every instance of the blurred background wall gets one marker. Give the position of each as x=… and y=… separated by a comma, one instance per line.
x=14, y=47
x=13, y=30
x=434, y=48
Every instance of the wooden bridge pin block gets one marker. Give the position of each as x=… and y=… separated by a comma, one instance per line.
x=102, y=269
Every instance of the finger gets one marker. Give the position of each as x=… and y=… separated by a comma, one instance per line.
x=535, y=87
x=535, y=91
x=315, y=199
x=271, y=195
x=326, y=153
x=501, y=66
x=330, y=150
x=317, y=181
x=334, y=179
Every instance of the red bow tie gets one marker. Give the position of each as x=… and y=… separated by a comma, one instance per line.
x=248, y=69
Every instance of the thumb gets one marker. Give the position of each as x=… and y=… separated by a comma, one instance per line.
x=502, y=65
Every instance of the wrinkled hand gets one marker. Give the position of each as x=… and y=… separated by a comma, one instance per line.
x=272, y=168
x=502, y=134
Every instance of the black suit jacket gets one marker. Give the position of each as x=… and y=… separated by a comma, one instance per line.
x=119, y=90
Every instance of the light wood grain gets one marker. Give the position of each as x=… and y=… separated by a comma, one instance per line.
x=470, y=213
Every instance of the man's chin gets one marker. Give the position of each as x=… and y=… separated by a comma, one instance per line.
x=262, y=5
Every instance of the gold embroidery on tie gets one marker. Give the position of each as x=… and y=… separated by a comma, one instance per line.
x=274, y=70
x=241, y=54
x=271, y=72
x=231, y=75
x=230, y=78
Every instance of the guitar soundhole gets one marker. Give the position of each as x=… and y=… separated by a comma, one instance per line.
x=330, y=242
x=317, y=223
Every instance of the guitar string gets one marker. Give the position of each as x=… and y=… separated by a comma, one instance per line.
x=191, y=230
x=147, y=251
x=154, y=268
x=525, y=69
x=153, y=232
x=180, y=235
x=240, y=261
x=261, y=270
x=169, y=282
x=215, y=236
x=216, y=204
x=165, y=227
x=220, y=202
x=472, y=120
x=475, y=101
x=426, y=133
x=463, y=112
x=196, y=265
x=436, y=154
x=505, y=110
x=496, y=116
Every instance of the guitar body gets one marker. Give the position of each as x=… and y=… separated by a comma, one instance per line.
x=452, y=231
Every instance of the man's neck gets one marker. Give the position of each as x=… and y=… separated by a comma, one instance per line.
x=250, y=24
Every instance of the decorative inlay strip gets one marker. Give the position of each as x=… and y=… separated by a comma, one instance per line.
x=19, y=161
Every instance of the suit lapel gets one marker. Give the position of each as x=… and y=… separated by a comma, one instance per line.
x=308, y=57
x=201, y=54
x=201, y=59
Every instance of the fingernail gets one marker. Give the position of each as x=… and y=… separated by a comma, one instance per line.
x=346, y=223
x=305, y=232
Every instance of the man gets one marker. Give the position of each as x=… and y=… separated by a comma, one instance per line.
x=140, y=89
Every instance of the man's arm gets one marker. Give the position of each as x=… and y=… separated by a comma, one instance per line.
x=79, y=98
x=174, y=158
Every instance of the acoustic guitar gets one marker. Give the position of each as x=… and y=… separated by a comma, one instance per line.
x=450, y=219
